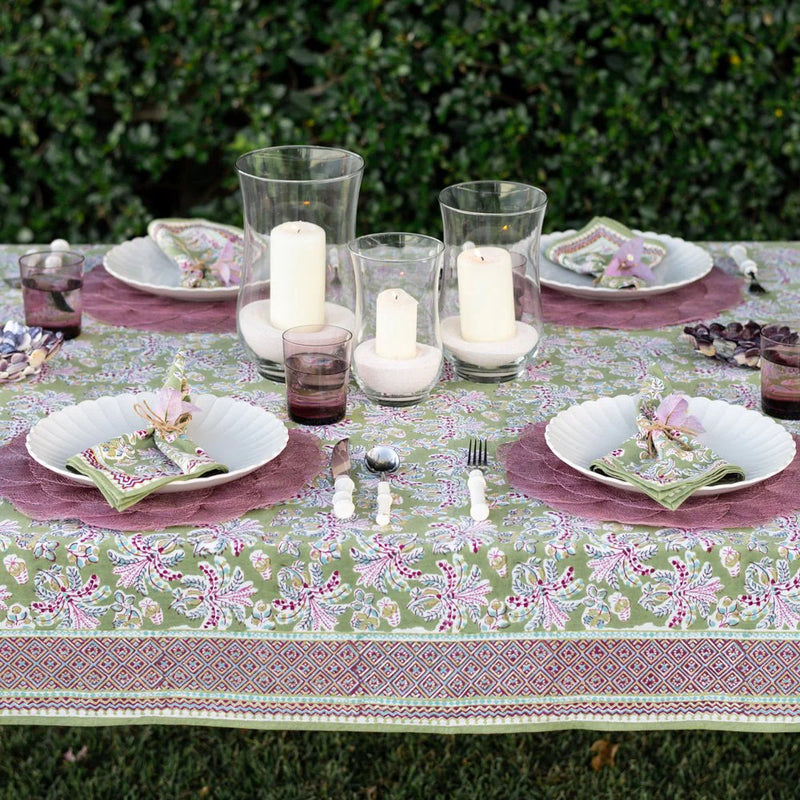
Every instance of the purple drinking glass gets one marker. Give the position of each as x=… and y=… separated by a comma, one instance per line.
x=316, y=361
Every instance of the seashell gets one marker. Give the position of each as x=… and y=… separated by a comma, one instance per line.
x=24, y=350
x=16, y=365
x=37, y=357
x=736, y=343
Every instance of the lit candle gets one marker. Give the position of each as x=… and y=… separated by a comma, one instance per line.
x=297, y=258
x=486, y=294
x=395, y=324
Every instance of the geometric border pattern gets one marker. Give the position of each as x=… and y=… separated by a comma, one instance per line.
x=427, y=683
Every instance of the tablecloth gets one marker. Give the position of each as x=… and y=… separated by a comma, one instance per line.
x=289, y=617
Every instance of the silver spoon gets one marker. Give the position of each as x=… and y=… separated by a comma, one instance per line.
x=381, y=459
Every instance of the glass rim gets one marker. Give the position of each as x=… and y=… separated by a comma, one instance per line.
x=359, y=168
x=793, y=328
x=485, y=183
x=344, y=335
x=421, y=237
x=72, y=258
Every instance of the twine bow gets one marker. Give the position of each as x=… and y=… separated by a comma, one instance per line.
x=672, y=419
x=172, y=413
x=672, y=432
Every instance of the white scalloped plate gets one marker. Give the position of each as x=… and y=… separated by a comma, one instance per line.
x=140, y=263
x=756, y=443
x=684, y=263
x=242, y=436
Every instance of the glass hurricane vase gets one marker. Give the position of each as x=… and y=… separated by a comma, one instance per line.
x=300, y=206
x=397, y=356
x=490, y=302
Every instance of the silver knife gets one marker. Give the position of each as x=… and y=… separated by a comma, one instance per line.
x=343, y=485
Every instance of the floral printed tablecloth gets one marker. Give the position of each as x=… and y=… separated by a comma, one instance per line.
x=288, y=616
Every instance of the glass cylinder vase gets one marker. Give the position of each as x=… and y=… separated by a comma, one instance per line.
x=397, y=356
x=300, y=205
x=490, y=302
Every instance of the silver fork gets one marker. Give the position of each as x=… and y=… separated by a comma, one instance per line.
x=477, y=459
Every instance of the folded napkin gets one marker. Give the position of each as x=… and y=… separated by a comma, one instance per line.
x=612, y=253
x=208, y=255
x=129, y=467
x=664, y=458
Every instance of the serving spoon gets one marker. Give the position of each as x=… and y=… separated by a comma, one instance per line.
x=382, y=459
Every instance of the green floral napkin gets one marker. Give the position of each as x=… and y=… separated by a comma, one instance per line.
x=614, y=255
x=208, y=255
x=129, y=467
x=663, y=458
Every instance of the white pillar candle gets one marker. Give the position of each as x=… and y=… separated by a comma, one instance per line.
x=395, y=324
x=297, y=261
x=486, y=294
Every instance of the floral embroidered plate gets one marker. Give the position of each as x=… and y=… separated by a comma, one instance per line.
x=240, y=435
x=144, y=265
x=756, y=443
x=684, y=263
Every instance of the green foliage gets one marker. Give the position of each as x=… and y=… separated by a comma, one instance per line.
x=672, y=115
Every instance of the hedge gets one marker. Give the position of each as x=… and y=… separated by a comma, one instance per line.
x=681, y=116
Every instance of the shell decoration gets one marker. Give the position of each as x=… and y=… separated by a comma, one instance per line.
x=24, y=350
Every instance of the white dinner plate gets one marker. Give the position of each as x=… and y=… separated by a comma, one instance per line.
x=140, y=263
x=757, y=444
x=684, y=263
x=242, y=436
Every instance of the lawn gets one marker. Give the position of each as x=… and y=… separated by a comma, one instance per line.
x=216, y=763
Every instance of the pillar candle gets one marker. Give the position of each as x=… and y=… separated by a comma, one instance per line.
x=297, y=262
x=486, y=294
x=395, y=324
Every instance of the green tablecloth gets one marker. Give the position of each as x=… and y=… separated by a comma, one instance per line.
x=290, y=617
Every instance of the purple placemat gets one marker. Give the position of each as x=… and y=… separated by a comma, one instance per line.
x=110, y=300
x=42, y=495
x=699, y=300
x=533, y=470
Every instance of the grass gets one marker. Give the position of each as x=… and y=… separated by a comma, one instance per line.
x=220, y=764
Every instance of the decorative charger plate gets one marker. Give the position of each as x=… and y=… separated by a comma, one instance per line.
x=684, y=263
x=756, y=443
x=142, y=264
x=242, y=436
